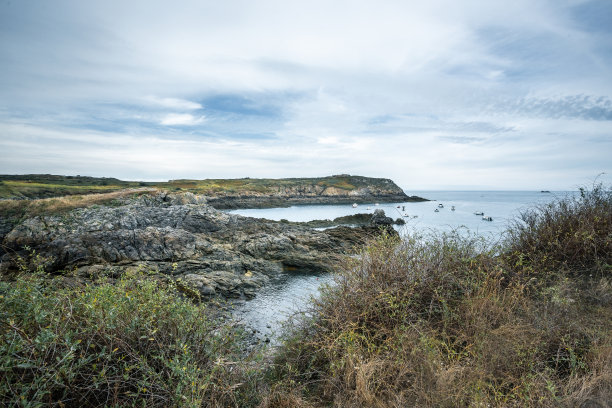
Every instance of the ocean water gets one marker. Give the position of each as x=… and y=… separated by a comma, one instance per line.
x=501, y=206
x=289, y=293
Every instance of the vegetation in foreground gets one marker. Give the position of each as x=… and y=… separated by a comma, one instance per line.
x=442, y=322
x=132, y=342
x=451, y=321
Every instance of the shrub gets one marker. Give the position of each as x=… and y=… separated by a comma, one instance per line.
x=449, y=320
x=132, y=343
x=569, y=235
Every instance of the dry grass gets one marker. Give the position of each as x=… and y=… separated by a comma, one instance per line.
x=56, y=205
x=568, y=235
x=448, y=321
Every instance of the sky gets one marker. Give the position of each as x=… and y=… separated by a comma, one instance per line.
x=442, y=94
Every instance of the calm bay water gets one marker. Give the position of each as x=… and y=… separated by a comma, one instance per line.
x=289, y=293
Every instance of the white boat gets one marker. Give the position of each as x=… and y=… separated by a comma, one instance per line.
x=369, y=208
x=406, y=215
x=436, y=210
x=478, y=213
x=440, y=205
x=376, y=204
x=355, y=205
x=487, y=218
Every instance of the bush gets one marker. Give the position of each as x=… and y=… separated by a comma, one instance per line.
x=448, y=320
x=132, y=343
x=569, y=235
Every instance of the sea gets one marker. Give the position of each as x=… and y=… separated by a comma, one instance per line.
x=289, y=294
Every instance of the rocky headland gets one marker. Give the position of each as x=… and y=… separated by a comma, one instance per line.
x=220, y=193
x=340, y=189
x=179, y=235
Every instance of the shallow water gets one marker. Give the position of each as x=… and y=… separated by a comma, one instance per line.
x=280, y=299
x=290, y=292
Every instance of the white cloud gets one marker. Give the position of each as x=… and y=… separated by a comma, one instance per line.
x=174, y=103
x=431, y=93
x=181, y=119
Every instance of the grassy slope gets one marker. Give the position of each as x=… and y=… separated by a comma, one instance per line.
x=271, y=186
x=16, y=210
x=44, y=186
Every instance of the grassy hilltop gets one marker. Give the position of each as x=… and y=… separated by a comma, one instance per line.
x=434, y=321
x=45, y=185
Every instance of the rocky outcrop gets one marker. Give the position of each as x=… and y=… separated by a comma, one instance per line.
x=361, y=219
x=339, y=189
x=181, y=236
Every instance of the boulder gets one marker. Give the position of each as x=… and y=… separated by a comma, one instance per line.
x=379, y=219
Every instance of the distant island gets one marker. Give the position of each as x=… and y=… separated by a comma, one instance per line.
x=220, y=193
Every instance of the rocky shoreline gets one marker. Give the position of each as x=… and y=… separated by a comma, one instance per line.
x=182, y=236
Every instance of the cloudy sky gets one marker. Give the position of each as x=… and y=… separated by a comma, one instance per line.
x=433, y=94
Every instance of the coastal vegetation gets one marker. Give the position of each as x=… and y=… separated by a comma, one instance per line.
x=46, y=185
x=437, y=320
x=452, y=321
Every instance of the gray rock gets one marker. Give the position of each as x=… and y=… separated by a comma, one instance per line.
x=180, y=235
x=379, y=219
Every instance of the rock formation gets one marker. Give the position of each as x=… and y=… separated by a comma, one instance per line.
x=182, y=236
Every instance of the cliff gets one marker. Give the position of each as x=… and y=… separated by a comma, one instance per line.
x=268, y=193
x=221, y=193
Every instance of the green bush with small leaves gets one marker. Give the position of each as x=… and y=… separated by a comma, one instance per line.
x=133, y=342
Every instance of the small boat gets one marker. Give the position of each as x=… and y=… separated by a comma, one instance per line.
x=398, y=206
x=415, y=216
x=453, y=208
x=403, y=208
x=487, y=218
x=440, y=205
x=369, y=208
x=376, y=204
x=436, y=210
x=355, y=205
x=478, y=213
x=406, y=215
